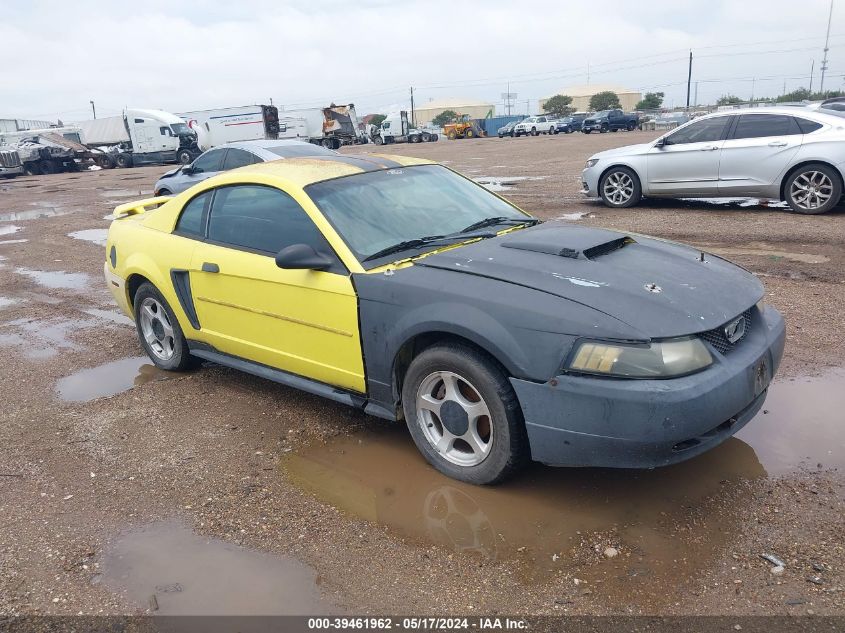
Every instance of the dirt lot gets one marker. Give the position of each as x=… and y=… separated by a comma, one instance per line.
x=123, y=489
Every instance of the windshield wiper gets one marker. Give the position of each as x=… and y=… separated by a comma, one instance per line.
x=424, y=241
x=502, y=219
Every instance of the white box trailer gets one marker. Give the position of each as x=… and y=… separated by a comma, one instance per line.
x=225, y=125
x=330, y=127
x=140, y=137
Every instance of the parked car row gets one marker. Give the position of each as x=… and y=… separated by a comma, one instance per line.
x=604, y=121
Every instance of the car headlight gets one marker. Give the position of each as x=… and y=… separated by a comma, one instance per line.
x=662, y=359
x=591, y=163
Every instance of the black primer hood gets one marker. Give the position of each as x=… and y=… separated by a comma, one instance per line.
x=659, y=288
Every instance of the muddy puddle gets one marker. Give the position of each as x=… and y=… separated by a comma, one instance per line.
x=13, y=241
x=6, y=302
x=763, y=250
x=9, y=229
x=56, y=279
x=109, y=379
x=43, y=211
x=40, y=339
x=167, y=569
x=124, y=193
x=665, y=523
x=95, y=236
x=502, y=183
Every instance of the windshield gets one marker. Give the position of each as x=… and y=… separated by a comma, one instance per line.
x=180, y=129
x=375, y=210
x=302, y=149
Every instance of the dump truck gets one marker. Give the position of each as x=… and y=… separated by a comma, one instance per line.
x=140, y=137
x=47, y=151
x=395, y=128
x=463, y=127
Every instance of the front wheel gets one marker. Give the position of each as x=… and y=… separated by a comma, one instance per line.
x=159, y=331
x=469, y=133
x=463, y=415
x=813, y=189
x=452, y=135
x=185, y=157
x=124, y=161
x=586, y=131
x=620, y=188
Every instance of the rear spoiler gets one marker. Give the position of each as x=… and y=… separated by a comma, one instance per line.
x=136, y=208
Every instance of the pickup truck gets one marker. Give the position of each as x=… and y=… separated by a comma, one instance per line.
x=613, y=120
x=535, y=125
x=571, y=123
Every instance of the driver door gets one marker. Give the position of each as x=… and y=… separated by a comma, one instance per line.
x=301, y=321
x=688, y=161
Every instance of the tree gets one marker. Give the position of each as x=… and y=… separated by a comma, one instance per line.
x=796, y=95
x=728, y=100
x=447, y=116
x=651, y=101
x=559, y=105
x=606, y=100
x=377, y=119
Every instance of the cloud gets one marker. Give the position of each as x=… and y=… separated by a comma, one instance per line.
x=190, y=56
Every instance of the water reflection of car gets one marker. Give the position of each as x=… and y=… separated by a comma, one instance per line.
x=400, y=288
x=791, y=154
x=507, y=129
x=232, y=156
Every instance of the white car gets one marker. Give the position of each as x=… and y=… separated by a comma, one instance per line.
x=777, y=153
x=535, y=125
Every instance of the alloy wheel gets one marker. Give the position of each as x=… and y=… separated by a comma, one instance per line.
x=811, y=190
x=454, y=418
x=157, y=329
x=618, y=187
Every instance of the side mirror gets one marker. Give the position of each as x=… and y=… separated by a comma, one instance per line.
x=301, y=257
x=187, y=170
x=661, y=142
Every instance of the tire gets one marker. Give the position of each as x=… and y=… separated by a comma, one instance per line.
x=481, y=382
x=631, y=127
x=586, y=131
x=104, y=161
x=616, y=129
x=620, y=188
x=426, y=137
x=469, y=133
x=184, y=157
x=124, y=160
x=534, y=131
x=151, y=307
x=378, y=140
x=552, y=130
x=452, y=135
x=328, y=143
x=47, y=167
x=805, y=188
x=602, y=130
x=163, y=192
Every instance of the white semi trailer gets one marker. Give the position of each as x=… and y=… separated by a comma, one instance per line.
x=140, y=137
x=225, y=125
x=330, y=127
x=395, y=128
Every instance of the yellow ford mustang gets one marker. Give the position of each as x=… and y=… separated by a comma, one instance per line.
x=399, y=287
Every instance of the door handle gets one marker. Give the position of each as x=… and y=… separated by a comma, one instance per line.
x=778, y=144
x=709, y=148
x=208, y=267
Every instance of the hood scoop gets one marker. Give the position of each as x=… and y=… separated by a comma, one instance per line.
x=584, y=244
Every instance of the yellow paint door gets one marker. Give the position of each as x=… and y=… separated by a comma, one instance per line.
x=301, y=321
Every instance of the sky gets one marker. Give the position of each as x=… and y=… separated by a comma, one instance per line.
x=183, y=56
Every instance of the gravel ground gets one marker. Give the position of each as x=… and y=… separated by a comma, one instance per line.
x=88, y=461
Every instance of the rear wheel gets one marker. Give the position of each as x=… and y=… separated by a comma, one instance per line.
x=452, y=135
x=631, y=127
x=813, y=189
x=124, y=160
x=463, y=415
x=620, y=187
x=164, y=192
x=586, y=131
x=159, y=331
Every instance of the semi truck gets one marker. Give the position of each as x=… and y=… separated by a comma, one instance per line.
x=396, y=128
x=47, y=151
x=239, y=123
x=10, y=163
x=140, y=137
x=330, y=127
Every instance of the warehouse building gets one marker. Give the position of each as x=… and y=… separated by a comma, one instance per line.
x=581, y=96
x=427, y=110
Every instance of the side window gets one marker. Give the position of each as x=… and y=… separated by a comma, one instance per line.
x=191, y=221
x=807, y=126
x=165, y=131
x=760, y=125
x=706, y=130
x=263, y=219
x=238, y=158
x=210, y=161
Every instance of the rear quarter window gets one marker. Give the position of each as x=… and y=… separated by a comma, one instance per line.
x=807, y=126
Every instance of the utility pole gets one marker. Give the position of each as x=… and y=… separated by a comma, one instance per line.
x=93, y=109
x=812, y=68
x=509, y=98
x=826, y=48
x=413, y=114
x=753, y=81
x=689, y=78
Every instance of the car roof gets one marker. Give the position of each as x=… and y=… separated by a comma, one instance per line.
x=806, y=113
x=308, y=170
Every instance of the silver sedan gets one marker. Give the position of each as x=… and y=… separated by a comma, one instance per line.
x=786, y=153
x=232, y=156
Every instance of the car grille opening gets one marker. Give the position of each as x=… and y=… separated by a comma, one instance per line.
x=718, y=339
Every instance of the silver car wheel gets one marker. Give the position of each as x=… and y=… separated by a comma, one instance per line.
x=811, y=190
x=156, y=329
x=618, y=187
x=454, y=418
